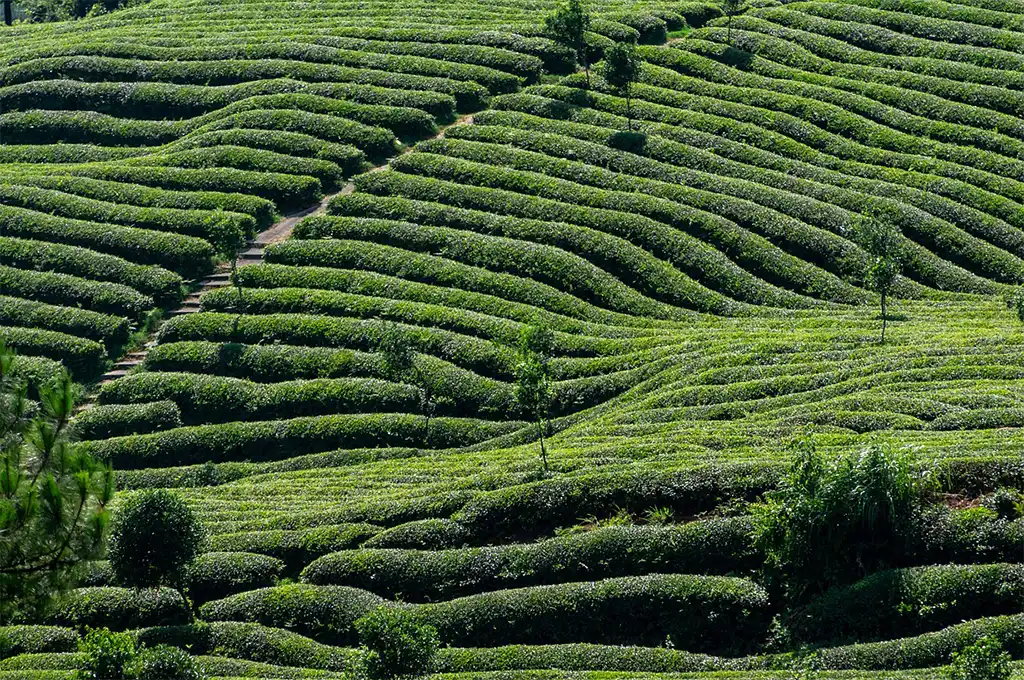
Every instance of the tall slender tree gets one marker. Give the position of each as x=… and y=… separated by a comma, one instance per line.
x=622, y=67
x=731, y=9
x=399, y=364
x=533, y=380
x=568, y=26
x=882, y=239
x=53, y=494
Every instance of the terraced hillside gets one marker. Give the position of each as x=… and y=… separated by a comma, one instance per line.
x=700, y=274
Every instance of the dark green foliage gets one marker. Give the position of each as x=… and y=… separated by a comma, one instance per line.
x=99, y=422
x=53, y=494
x=622, y=68
x=296, y=548
x=983, y=660
x=719, y=546
x=881, y=237
x=395, y=643
x=106, y=655
x=834, y=520
x=218, y=574
x=637, y=610
x=904, y=602
x=16, y=640
x=164, y=662
x=120, y=608
x=568, y=26
x=533, y=380
x=424, y=534
x=698, y=13
x=154, y=539
x=325, y=613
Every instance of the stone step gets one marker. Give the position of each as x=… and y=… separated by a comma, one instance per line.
x=113, y=375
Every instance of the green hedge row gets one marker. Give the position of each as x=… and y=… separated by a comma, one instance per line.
x=122, y=192
x=652, y=30
x=99, y=296
x=350, y=159
x=208, y=399
x=157, y=101
x=325, y=613
x=300, y=60
x=803, y=227
x=526, y=66
x=52, y=661
x=473, y=354
x=644, y=610
x=296, y=547
x=707, y=547
x=469, y=96
x=16, y=640
x=100, y=422
x=425, y=269
x=579, y=272
x=698, y=13
x=162, y=285
x=110, y=330
x=218, y=574
x=812, y=186
x=242, y=158
x=187, y=255
x=261, y=362
x=423, y=534
x=582, y=657
x=190, y=222
x=277, y=439
x=251, y=641
x=120, y=608
x=632, y=610
x=905, y=602
x=698, y=260
x=526, y=511
x=83, y=358
x=64, y=153
x=286, y=191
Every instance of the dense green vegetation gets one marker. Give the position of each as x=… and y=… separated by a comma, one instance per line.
x=626, y=338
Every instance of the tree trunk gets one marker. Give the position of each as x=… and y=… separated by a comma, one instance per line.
x=629, y=111
x=543, y=448
x=885, y=316
x=8, y=18
x=586, y=64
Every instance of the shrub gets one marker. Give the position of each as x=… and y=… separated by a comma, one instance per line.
x=120, y=608
x=296, y=548
x=983, y=660
x=904, y=602
x=642, y=610
x=395, y=644
x=100, y=422
x=718, y=546
x=831, y=521
x=325, y=613
x=106, y=655
x=105, y=328
x=16, y=640
x=164, y=662
x=217, y=574
x=424, y=534
x=154, y=538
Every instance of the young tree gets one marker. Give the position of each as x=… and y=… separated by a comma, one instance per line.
x=154, y=539
x=568, y=26
x=398, y=360
x=883, y=241
x=394, y=643
x=983, y=660
x=53, y=494
x=227, y=238
x=832, y=521
x=533, y=379
x=731, y=9
x=622, y=68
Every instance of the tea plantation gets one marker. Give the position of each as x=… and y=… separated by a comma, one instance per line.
x=444, y=177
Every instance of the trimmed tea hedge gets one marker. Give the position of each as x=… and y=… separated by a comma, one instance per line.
x=101, y=422
x=120, y=608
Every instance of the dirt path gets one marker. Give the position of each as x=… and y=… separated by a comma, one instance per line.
x=252, y=254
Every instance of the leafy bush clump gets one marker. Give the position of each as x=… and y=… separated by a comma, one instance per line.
x=395, y=643
x=164, y=662
x=155, y=537
x=984, y=660
x=106, y=655
x=833, y=521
